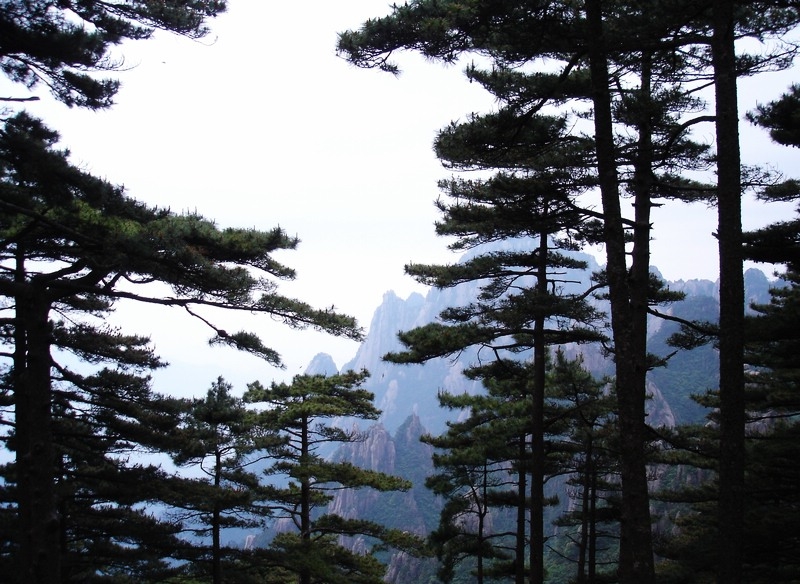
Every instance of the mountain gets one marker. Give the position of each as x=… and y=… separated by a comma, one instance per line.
x=322, y=364
x=402, y=390
x=401, y=454
x=407, y=396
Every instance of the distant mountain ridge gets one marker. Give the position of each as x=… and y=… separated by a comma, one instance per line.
x=403, y=390
x=407, y=396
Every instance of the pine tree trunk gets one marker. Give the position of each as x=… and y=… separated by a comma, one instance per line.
x=586, y=548
x=216, y=559
x=522, y=507
x=305, y=495
x=592, y=552
x=636, y=564
x=731, y=318
x=482, y=507
x=39, y=525
x=537, y=423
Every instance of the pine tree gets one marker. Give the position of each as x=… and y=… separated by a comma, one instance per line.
x=74, y=245
x=769, y=519
x=301, y=414
x=482, y=464
x=666, y=47
x=587, y=443
x=773, y=400
x=572, y=37
x=731, y=342
x=766, y=521
x=221, y=438
x=61, y=44
x=104, y=424
x=728, y=21
x=772, y=484
x=519, y=307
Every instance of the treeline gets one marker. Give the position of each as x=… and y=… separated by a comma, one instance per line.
x=598, y=96
x=604, y=97
x=87, y=497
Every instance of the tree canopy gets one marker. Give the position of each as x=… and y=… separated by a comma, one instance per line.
x=639, y=66
x=301, y=414
x=72, y=246
x=63, y=44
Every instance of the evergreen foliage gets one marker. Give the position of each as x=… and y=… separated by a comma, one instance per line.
x=770, y=521
x=481, y=464
x=598, y=96
x=587, y=442
x=781, y=117
x=300, y=414
x=60, y=44
x=221, y=438
x=639, y=65
x=72, y=246
x=560, y=162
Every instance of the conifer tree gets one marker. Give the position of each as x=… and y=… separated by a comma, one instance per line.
x=510, y=317
x=302, y=415
x=520, y=306
x=560, y=34
x=72, y=246
x=571, y=37
x=482, y=464
x=221, y=438
x=727, y=22
x=104, y=425
x=772, y=482
x=731, y=342
x=61, y=44
x=769, y=519
x=664, y=46
x=587, y=444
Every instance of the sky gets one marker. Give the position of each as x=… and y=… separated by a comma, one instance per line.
x=261, y=124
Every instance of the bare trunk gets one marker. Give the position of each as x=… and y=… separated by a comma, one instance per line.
x=481, y=523
x=636, y=564
x=39, y=526
x=519, y=552
x=537, y=425
x=592, y=551
x=305, y=496
x=731, y=318
x=584, y=537
x=216, y=559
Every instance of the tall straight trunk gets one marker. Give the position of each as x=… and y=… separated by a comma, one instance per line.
x=583, y=544
x=731, y=317
x=592, y=572
x=39, y=526
x=536, y=553
x=216, y=519
x=642, y=189
x=522, y=507
x=636, y=565
x=305, y=495
x=482, y=523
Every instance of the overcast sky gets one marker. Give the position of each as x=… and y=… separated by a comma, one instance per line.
x=261, y=124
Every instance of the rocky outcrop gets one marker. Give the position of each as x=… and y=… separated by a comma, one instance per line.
x=400, y=455
x=414, y=510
